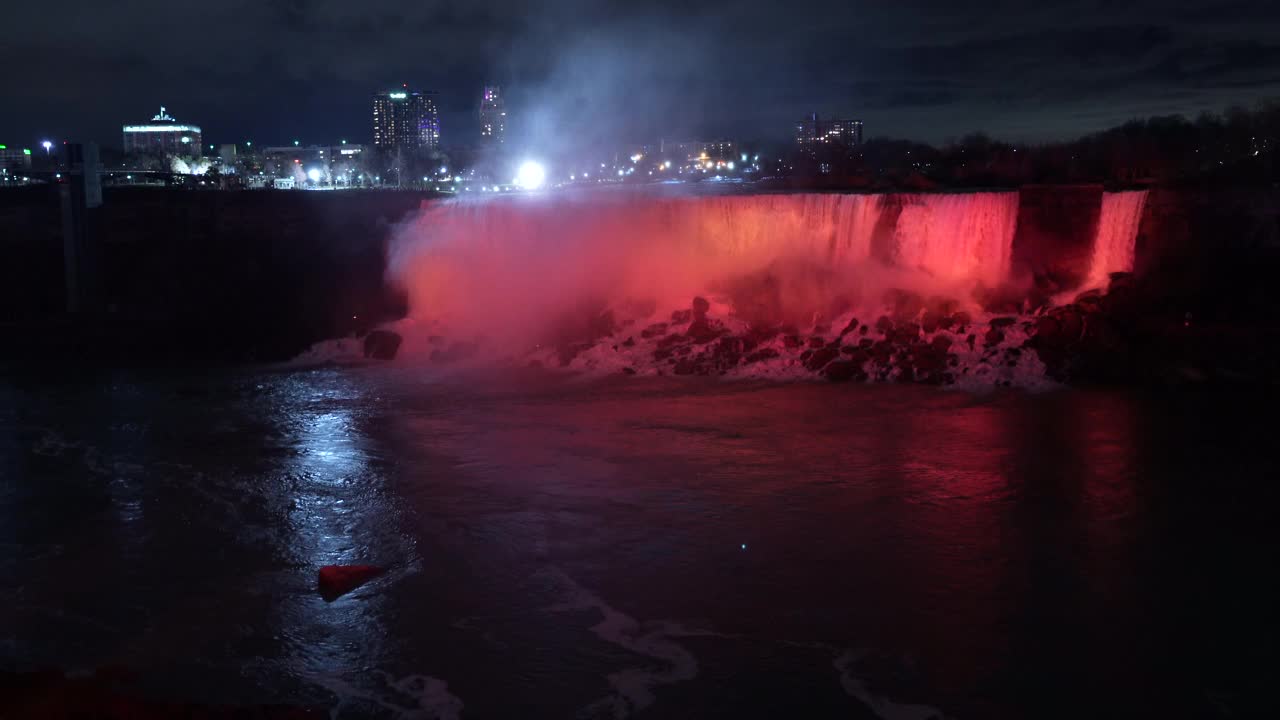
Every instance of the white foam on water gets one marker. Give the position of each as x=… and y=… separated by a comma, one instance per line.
x=882, y=707
x=633, y=687
x=420, y=697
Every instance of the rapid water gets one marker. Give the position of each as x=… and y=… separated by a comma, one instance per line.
x=640, y=547
x=967, y=237
x=1114, y=245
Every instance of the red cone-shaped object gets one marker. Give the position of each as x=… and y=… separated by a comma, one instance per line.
x=338, y=580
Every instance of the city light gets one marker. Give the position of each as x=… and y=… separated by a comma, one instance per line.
x=636, y=158
x=531, y=175
x=47, y=145
x=314, y=175
x=730, y=166
x=666, y=165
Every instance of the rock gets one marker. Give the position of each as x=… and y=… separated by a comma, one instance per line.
x=700, y=307
x=690, y=366
x=703, y=331
x=863, y=330
x=760, y=356
x=843, y=371
x=821, y=328
x=1048, y=332
x=1002, y=322
x=905, y=334
x=929, y=321
x=792, y=341
x=672, y=340
x=961, y=319
x=629, y=342
x=337, y=580
x=817, y=341
x=882, y=351
x=941, y=342
x=1072, y=323
x=629, y=371
x=993, y=337
x=381, y=345
x=680, y=317
x=866, y=343
x=971, y=340
x=853, y=325
x=756, y=335
x=884, y=324
x=820, y=358
x=654, y=330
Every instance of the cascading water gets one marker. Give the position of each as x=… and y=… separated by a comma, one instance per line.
x=958, y=236
x=786, y=286
x=515, y=262
x=1115, y=243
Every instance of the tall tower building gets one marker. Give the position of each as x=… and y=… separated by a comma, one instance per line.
x=493, y=116
x=406, y=120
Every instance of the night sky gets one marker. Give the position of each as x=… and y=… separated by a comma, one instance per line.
x=274, y=70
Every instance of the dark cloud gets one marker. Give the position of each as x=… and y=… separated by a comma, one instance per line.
x=582, y=70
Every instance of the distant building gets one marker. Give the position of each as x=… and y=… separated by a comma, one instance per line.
x=162, y=136
x=284, y=183
x=406, y=120
x=343, y=163
x=14, y=159
x=493, y=117
x=814, y=134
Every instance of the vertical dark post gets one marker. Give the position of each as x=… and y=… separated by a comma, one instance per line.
x=81, y=193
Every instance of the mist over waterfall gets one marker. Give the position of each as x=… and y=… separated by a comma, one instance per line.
x=609, y=279
x=509, y=266
x=1116, y=240
x=958, y=236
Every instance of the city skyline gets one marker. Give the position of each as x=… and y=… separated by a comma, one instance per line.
x=1024, y=73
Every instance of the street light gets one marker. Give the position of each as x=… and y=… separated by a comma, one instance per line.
x=48, y=146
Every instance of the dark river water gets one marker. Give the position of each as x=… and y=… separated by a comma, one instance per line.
x=562, y=547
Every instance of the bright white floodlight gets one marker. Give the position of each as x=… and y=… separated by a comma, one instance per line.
x=531, y=175
x=314, y=175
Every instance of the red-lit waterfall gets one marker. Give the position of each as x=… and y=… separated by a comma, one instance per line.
x=1115, y=242
x=958, y=236
x=895, y=286
x=515, y=262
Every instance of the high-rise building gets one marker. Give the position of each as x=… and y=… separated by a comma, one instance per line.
x=814, y=134
x=493, y=116
x=162, y=136
x=406, y=120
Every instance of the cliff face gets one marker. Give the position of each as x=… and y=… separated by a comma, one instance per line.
x=1216, y=251
x=1056, y=230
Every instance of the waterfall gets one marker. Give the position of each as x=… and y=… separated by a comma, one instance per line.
x=512, y=264
x=1114, y=244
x=958, y=236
